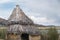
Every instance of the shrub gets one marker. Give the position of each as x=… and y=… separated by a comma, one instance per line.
x=53, y=34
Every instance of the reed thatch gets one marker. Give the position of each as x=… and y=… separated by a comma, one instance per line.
x=19, y=16
x=20, y=23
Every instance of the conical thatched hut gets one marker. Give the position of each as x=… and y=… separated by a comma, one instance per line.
x=20, y=27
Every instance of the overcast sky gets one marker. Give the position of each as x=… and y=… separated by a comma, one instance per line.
x=46, y=12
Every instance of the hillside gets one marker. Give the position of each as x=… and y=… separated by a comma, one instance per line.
x=3, y=21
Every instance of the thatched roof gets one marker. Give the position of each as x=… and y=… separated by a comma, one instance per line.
x=20, y=23
x=19, y=16
x=23, y=29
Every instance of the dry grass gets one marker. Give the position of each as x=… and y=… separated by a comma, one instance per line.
x=1, y=39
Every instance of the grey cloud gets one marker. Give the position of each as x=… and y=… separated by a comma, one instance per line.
x=49, y=9
x=45, y=8
x=42, y=8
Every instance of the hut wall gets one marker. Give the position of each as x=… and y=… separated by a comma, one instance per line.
x=34, y=37
x=13, y=37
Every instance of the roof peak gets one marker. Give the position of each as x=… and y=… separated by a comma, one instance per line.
x=19, y=15
x=17, y=5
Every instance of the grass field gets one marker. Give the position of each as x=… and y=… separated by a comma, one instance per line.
x=2, y=32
